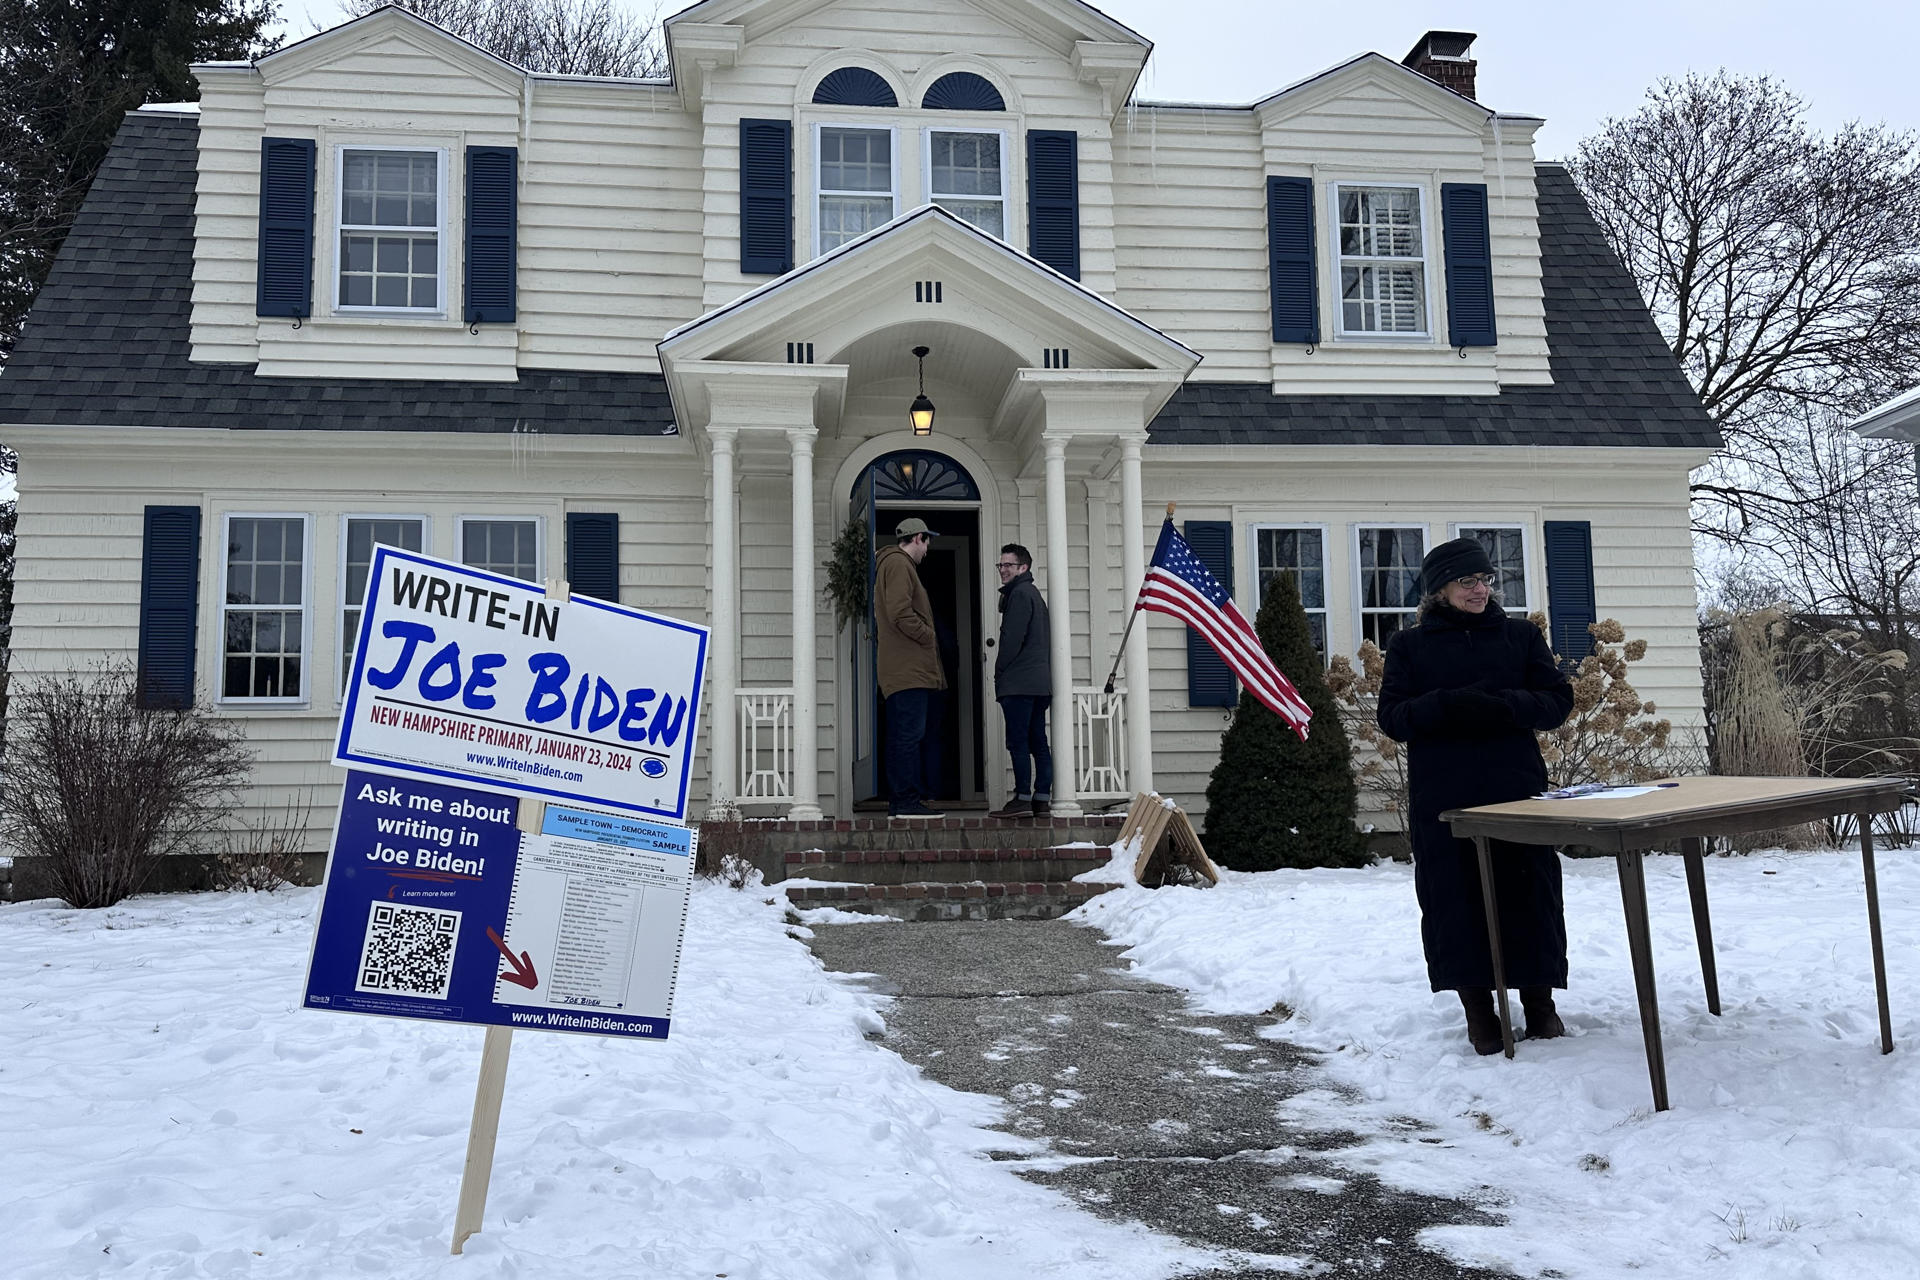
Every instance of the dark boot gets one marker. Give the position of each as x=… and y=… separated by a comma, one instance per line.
x=1042, y=807
x=1483, y=1024
x=1016, y=808
x=1543, y=1022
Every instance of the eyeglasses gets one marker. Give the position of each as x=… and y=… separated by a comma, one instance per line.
x=1477, y=580
x=1006, y=566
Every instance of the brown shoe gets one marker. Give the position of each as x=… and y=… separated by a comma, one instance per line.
x=1042, y=808
x=1014, y=809
x=1483, y=1024
x=1543, y=1020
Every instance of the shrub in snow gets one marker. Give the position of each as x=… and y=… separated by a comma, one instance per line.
x=104, y=788
x=266, y=855
x=1275, y=801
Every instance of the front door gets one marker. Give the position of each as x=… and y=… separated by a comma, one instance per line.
x=935, y=489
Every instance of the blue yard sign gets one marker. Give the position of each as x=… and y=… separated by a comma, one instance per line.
x=468, y=677
x=436, y=906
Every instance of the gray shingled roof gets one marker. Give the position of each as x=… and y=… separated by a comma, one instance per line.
x=1615, y=382
x=107, y=344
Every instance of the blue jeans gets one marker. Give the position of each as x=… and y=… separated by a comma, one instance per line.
x=1027, y=743
x=907, y=747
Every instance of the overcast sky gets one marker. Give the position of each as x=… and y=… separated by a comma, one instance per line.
x=1575, y=64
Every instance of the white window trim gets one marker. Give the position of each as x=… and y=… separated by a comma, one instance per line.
x=1006, y=179
x=1426, y=260
x=1326, y=566
x=445, y=204
x=1360, y=611
x=305, y=697
x=815, y=193
x=481, y=517
x=341, y=605
x=1527, y=542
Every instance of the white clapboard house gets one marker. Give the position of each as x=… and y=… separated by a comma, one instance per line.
x=657, y=338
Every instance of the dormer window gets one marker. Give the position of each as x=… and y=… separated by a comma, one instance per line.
x=1382, y=260
x=967, y=176
x=856, y=186
x=391, y=212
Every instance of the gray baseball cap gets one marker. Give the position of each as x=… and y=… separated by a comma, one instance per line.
x=912, y=525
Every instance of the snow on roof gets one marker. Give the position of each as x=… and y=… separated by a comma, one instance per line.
x=176, y=108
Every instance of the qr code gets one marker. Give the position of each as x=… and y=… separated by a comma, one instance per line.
x=408, y=951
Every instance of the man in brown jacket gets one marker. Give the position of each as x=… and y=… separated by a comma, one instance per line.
x=909, y=666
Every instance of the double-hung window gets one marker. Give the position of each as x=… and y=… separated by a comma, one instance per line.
x=856, y=186
x=356, y=560
x=392, y=210
x=1302, y=553
x=967, y=176
x=1506, y=546
x=1388, y=559
x=263, y=613
x=508, y=547
x=1382, y=260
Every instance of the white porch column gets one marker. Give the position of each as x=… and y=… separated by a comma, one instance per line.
x=1060, y=607
x=806, y=678
x=1133, y=567
x=723, y=616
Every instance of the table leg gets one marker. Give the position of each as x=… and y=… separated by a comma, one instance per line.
x=1633, y=897
x=1480, y=847
x=1702, y=926
x=1873, y=931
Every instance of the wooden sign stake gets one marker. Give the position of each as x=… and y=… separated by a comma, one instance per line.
x=1167, y=839
x=487, y=1096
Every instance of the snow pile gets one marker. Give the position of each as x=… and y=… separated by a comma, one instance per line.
x=1793, y=1145
x=171, y=1111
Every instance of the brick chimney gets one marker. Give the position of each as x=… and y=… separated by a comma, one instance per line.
x=1442, y=56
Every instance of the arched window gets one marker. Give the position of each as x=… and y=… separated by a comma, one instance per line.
x=924, y=477
x=963, y=91
x=854, y=87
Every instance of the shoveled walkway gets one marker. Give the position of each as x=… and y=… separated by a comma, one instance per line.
x=1166, y=1117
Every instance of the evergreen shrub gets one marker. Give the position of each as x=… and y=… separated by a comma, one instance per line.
x=1274, y=800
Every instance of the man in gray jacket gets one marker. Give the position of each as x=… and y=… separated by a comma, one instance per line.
x=1023, y=684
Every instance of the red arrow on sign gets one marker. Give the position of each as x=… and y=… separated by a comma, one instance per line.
x=523, y=974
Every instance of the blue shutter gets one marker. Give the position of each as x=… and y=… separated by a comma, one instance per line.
x=766, y=197
x=1053, y=199
x=492, y=209
x=1570, y=607
x=1290, y=266
x=1469, y=249
x=1209, y=682
x=593, y=554
x=169, y=606
x=285, y=267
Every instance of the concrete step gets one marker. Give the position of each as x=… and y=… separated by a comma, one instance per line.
x=767, y=842
x=926, y=901
x=946, y=866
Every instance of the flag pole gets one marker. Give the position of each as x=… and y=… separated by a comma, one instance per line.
x=1121, y=651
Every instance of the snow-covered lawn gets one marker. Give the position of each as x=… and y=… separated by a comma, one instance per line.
x=1793, y=1145
x=166, y=1109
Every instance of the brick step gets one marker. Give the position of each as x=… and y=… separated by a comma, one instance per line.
x=782, y=836
x=946, y=866
x=1031, y=900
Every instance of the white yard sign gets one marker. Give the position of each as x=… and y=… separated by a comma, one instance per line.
x=469, y=677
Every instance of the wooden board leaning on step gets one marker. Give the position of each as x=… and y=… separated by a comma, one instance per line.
x=1167, y=841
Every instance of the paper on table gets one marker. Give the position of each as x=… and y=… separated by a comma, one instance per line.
x=1608, y=793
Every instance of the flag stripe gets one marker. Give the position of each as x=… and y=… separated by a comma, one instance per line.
x=1227, y=630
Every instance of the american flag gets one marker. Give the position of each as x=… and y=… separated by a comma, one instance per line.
x=1178, y=584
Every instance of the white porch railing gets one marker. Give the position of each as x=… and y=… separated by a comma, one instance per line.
x=765, y=717
x=1100, y=745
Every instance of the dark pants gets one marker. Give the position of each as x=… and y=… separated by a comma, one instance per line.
x=1027, y=743
x=907, y=747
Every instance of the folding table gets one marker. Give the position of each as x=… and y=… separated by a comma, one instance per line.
x=1683, y=810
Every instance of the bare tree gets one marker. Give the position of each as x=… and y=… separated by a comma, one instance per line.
x=1783, y=267
x=561, y=37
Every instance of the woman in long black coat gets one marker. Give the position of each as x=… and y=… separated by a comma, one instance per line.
x=1465, y=690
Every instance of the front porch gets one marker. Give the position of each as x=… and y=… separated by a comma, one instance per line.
x=1043, y=392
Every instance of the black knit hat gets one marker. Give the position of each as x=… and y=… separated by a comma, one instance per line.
x=1451, y=560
